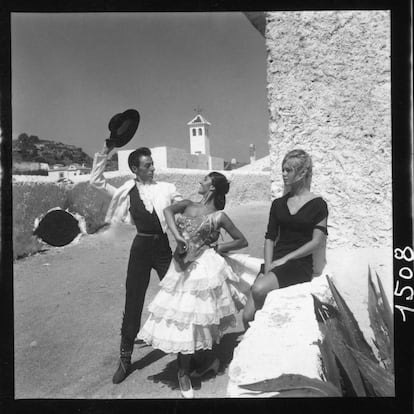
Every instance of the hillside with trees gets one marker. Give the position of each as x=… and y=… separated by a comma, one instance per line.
x=30, y=148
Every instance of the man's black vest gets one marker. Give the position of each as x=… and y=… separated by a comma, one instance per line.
x=145, y=221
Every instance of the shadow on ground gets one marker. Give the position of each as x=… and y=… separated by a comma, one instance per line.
x=168, y=376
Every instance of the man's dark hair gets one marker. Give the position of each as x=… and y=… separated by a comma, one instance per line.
x=133, y=159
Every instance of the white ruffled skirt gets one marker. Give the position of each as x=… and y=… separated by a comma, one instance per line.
x=194, y=308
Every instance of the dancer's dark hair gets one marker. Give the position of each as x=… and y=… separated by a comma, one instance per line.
x=222, y=186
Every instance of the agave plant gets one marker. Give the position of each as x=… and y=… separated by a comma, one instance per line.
x=360, y=373
x=381, y=319
x=294, y=385
x=349, y=364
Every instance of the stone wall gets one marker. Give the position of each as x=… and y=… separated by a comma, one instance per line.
x=245, y=187
x=35, y=195
x=29, y=166
x=329, y=94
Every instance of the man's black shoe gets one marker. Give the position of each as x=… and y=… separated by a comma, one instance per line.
x=123, y=370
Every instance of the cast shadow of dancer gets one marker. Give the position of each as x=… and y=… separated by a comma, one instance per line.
x=148, y=359
x=168, y=376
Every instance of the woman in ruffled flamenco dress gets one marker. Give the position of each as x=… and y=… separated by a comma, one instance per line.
x=199, y=295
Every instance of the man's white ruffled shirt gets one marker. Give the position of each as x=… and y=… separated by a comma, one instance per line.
x=155, y=195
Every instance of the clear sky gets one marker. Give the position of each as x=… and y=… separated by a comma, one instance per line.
x=71, y=72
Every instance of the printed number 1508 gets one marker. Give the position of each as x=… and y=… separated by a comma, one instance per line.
x=406, y=273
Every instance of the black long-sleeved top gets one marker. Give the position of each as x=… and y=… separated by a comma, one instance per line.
x=294, y=230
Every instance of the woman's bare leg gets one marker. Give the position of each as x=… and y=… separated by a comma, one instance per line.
x=184, y=381
x=248, y=311
x=183, y=362
x=264, y=284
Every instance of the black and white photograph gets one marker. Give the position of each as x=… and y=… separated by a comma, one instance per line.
x=209, y=204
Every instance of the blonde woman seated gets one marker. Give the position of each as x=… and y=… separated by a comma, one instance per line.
x=297, y=228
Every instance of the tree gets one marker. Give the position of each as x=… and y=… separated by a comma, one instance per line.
x=34, y=139
x=68, y=154
x=25, y=140
x=22, y=138
x=40, y=159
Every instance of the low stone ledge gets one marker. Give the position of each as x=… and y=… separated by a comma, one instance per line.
x=281, y=339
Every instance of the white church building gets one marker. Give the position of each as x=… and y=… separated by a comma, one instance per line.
x=169, y=157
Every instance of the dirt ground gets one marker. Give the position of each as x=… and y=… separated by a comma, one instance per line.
x=68, y=305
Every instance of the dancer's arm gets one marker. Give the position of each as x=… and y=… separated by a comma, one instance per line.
x=97, y=178
x=170, y=212
x=238, y=242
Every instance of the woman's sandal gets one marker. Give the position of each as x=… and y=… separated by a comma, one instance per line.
x=185, y=385
x=212, y=366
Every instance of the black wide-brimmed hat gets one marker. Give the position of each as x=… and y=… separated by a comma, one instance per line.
x=123, y=127
x=57, y=228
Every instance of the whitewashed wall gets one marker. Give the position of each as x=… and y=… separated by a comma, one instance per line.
x=215, y=163
x=123, y=161
x=169, y=157
x=328, y=78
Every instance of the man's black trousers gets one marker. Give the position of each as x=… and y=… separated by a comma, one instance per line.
x=147, y=252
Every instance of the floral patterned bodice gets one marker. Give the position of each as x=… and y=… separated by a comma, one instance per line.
x=200, y=232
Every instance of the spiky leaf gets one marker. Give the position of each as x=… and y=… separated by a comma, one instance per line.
x=387, y=312
x=297, y=384
x=352, y=333
x=330, y=368
x=347, y=366
x=302, y=393
x=380, y=379
x=323, y=311
x=378, y=321
x=340, y=366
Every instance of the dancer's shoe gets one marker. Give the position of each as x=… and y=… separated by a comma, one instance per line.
x=212, y=366
x=124, y=366
x=185, y=385
x=123, y=369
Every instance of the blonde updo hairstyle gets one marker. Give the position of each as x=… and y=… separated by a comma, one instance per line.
x=301, y=161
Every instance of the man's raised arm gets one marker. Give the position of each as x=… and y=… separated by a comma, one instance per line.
x=97, y=178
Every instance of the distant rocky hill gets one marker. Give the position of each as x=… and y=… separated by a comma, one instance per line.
x=32, y=149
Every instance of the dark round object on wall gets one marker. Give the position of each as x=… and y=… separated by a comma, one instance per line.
x=123, y=127
x=57, y=228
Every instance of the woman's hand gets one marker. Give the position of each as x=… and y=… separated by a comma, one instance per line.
x=278, y=262
x=219, y=249
x=182, y=244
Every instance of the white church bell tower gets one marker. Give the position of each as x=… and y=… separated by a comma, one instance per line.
x=199, y=140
